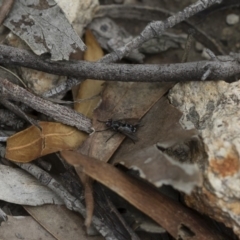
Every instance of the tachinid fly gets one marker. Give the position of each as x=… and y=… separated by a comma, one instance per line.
x=121, y=126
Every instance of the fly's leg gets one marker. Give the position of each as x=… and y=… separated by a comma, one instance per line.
x=103, y=130
x=111, y=136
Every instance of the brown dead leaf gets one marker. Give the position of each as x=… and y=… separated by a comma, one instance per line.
x=90, y=88
x=161, y=125
x=60, y=222
x=160, y=165
x=32, y=143
x=120, y=101
x=169, y=214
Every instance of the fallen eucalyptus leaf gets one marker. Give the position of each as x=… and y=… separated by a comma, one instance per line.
x=19, y=187
x=32, y=143
x=44, y=27
x=23, y=227
x=51, y=217
x=89, y=89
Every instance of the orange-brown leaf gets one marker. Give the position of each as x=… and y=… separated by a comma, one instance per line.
x=32, y=143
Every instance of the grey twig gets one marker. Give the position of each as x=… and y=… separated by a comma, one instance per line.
x=209, y=68
x=59, y=113
x=18, y=111
x=155, y=29
x=226, y=67
x=61, y=88
x=70, y=201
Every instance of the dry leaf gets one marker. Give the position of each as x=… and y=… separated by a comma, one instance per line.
x=19, y=187
x=32, y=143
x=90, y=88
x=160, y=165
x=120, y=101
x=23, y=227
x=60, y=222
x=44, y=27
x=171, y=215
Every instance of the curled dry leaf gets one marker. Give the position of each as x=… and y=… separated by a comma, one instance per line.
x=171, y=215
x=32, y=143
x=44, y=27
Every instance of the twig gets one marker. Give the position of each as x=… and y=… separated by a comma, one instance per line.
x=225, y=68
x=155, y=29
x=146, y=13
x=70, y=201
x=5, y=9
x=61, y=88
x=59, y=113
x=18, y=111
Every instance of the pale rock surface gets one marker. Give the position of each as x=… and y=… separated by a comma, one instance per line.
x=213, y=109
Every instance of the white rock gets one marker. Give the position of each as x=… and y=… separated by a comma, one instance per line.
x=232, y=19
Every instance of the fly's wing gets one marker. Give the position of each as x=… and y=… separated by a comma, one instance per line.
x=129, y=134
x=133, y=121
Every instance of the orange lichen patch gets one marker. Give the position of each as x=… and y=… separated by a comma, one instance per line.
x=225, y=167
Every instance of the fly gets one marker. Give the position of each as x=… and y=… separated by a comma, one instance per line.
x=121, y=126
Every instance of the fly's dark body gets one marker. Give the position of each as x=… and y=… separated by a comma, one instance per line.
x=123, y=127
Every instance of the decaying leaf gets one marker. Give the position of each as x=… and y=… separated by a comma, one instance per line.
x=90, y=89
x=19, y=187
x=44, y=27
x=23, y=227
x=168, y=213
x=120, y=101
x=52, y=217
x=32, y=143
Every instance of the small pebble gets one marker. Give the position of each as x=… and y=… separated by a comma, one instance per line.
x=232, y=19
x=205, y=55
x=199, y=47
